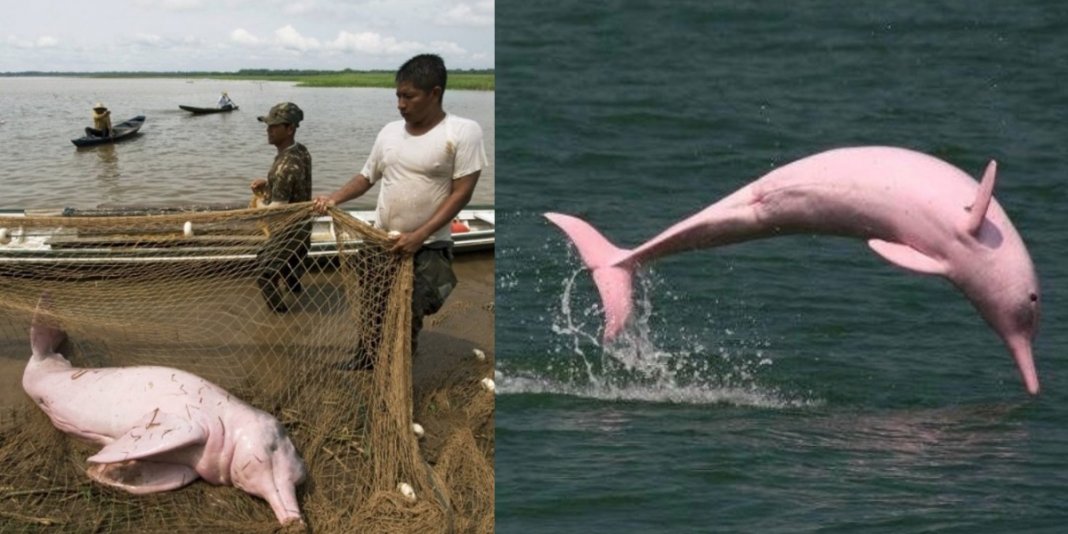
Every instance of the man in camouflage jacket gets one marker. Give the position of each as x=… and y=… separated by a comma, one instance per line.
x=289, y=180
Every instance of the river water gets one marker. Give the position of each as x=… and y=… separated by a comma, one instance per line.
x=791, y=385
x=179, y=158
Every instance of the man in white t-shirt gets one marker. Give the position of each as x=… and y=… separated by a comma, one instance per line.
x=428, y=164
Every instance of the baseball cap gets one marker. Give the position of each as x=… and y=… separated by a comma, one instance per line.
x=283, y=113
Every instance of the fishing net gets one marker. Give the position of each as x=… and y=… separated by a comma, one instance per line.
x=217, y=294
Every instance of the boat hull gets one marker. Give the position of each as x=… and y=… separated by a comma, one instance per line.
x=69, y=247
x=204, y=111
x=122, y=131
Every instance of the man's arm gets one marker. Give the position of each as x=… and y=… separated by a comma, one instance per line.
x=355, y=187
x=261, y=195
x=462, y=188
x=287, y=175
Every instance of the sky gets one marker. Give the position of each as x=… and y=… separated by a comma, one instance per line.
x=228, y=35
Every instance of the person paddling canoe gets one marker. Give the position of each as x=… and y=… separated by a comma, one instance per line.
x=101, y=122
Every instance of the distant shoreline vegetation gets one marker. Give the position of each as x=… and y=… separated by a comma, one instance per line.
x=475, y=80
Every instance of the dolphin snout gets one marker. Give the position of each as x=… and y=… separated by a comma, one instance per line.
x=1021, y=352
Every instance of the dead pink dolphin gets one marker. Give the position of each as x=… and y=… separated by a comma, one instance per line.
x=916, y=211
x=162, y=428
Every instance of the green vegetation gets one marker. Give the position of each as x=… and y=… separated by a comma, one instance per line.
x=477, y=80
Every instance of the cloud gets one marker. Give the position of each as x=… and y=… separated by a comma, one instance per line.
x=240, y=36
x=300, y=8
x=478, y=14
x=447, y=48
x=372, y=43
x=173, y=5
x=45, y=41
x=289, y=37
x=369, y=44
x=148, y=39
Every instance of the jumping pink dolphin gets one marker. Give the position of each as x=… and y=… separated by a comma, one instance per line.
x=161, y=428
x=916, y=211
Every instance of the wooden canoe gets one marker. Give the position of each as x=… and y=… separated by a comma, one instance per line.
x=122, y=130
x=204, y=111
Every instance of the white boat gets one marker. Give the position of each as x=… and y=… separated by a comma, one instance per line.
x=473, y=230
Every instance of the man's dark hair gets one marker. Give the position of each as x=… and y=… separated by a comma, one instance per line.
x=424, y=71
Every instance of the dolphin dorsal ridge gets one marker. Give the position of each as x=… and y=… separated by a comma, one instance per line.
x=977, y=211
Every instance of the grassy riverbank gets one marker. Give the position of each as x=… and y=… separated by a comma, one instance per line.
x=477, y=80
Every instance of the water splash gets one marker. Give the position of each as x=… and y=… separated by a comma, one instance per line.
x=520, y=383
x=641, y=366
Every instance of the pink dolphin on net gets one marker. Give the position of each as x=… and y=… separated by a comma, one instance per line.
x=914, y=210
x=161, y=428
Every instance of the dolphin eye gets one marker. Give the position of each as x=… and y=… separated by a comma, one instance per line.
x=1034, y=297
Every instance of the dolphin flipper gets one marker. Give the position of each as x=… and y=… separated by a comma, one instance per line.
x=907, y=257
x=154, y=434
x=142, y=476
x=45, y=334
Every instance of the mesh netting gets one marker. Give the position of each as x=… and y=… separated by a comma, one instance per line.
x=217, y=295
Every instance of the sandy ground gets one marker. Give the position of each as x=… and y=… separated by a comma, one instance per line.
x=11, y=394
x=456, y=412
x=11, y=382
x=445, y=372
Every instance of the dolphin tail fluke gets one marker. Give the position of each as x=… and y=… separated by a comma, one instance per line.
x=45, y=335
x=614, y=281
